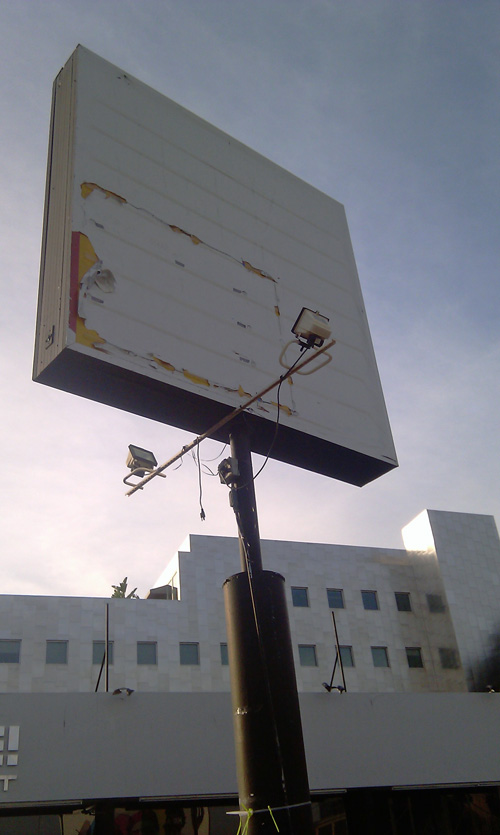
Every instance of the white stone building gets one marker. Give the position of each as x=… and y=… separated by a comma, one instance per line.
x=420, y=619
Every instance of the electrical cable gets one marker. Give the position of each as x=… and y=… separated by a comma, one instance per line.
x=202, y=511
x=282, y=380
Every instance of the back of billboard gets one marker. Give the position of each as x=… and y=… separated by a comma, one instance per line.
x=175, y=261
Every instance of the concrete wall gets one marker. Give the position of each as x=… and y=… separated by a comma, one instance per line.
x=77, y=747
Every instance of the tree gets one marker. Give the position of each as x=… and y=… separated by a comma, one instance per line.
x=121, y=591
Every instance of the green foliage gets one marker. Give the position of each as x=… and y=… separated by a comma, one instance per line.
x=121, y=590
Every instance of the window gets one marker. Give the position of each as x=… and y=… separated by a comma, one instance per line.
x=335, y=598
x=403, y=602
x=435, y=603
x=98, y=652
x=369, y=599
x=56, y=652
x=307, y=655
x=189, y=654
x=146, y=652
x=10, y=652
x=224, y=657
x=380, y=657
x=347, y=656
x=414, y=657
x=449, y=659
x=300, y=597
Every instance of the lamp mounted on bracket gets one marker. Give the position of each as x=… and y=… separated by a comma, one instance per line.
x=140, y=461
x=310, y=329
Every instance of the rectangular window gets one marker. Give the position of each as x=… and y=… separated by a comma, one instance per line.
x=56, y=652
x=307, y=655
x=435, y=603
x=189, y=653
x=380, y=657
x=403, y=602
x=347, y=656
x=147, y=652
x=224, y=657
x=300, y=596
x=449, y=659
x=335, y=598
x=98, y=652
x=10, y=651
x=370, y=600
x=414, y=657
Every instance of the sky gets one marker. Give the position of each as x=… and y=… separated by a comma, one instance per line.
x=391, y=107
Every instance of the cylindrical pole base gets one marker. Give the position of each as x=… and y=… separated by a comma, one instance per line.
x=270, y=757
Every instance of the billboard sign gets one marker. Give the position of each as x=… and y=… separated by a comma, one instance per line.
x=175, y=262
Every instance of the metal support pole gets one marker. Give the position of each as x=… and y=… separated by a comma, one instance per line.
x=243, y=494
x=271, y=765
x=106, y=650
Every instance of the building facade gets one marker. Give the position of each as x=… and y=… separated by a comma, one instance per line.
x=424, y=618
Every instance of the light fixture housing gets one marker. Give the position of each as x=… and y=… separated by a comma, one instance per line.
x=140, y=461
x=312, y=327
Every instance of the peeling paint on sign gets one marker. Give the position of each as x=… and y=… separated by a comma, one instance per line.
x=88, y=188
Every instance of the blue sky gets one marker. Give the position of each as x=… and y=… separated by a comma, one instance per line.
x=389, y=106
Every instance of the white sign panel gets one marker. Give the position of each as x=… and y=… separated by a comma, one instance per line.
x=175, y=263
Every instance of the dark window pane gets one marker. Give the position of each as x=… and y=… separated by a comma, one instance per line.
x=369, y=599
x=449, y=659
x=224, y=657
x=403, y=602
x=380, y=657
x=56, y=652
x=335, y=598
x=146, y=652
x=347, y=656
x=300, y=597
x=414, y=656
x=98, y=652
x=307, y=655
x=435, y=603
x=10, y=652
x=189, y=653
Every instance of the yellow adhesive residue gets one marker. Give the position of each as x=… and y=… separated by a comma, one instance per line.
x=286, y=409
x=277, y=310
x=242, y=392
x=248, y=266
x=166, y=365
x=201, y=381
x=87, y=337
x=87, y=257
x=88, y=188
x=194, y=238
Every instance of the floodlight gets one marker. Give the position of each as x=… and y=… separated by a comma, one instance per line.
x=312, y=327
x=140, y=461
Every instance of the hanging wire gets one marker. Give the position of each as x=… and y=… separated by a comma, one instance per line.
x=202, y=511
x=277, y=424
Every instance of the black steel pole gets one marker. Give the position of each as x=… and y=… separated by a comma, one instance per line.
x=271, y=765
x=243, y=494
